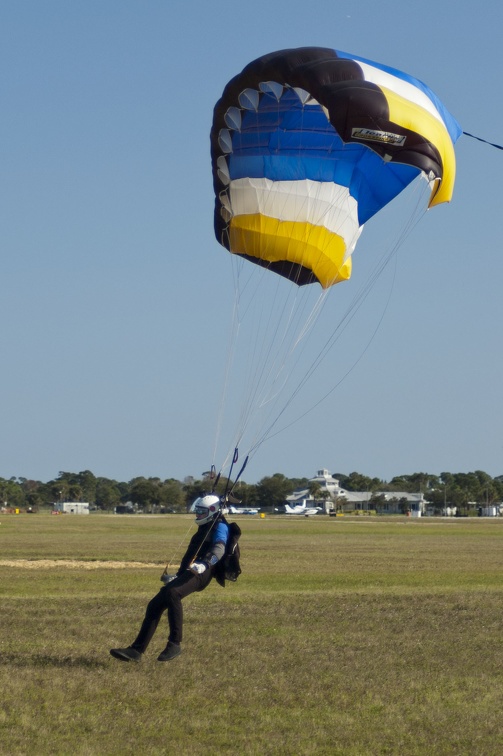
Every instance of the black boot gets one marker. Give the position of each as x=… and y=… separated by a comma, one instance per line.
x=126, y=654
x=171, y=650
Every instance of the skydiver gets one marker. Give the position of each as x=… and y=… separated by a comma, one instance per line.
x=197, y=568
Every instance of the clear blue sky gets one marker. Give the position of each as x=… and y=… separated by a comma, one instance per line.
x=115, y=296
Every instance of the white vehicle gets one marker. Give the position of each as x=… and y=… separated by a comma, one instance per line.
x=243, y=510
x=301, y=509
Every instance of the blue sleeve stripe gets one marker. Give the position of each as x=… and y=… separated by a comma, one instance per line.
x=221, y=533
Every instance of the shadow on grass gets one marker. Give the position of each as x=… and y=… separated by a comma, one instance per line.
x=45, y=660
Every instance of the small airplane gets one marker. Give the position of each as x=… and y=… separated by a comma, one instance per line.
x=301, y=509
x=243, y=510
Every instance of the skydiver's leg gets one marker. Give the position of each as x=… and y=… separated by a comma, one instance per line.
x=170, y=598
x=153, y=614
x=176, y=591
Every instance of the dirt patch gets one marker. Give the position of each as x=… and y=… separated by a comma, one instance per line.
x=73, y=564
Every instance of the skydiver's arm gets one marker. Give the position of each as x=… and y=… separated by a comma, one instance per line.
x=215, y=554
x=217, y=549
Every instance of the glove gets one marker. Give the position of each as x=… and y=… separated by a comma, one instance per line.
x=197, y=568
x=167, y=578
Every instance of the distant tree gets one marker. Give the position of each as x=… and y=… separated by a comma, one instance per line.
x=340, y=502
x=415, y=483
x=299, y=483
x=489, y=491
x=58, y=490
x=357, y=482
x=464, y=490
x=192, y=489
x=449, y=494
x=146, y=493
x=315, y=489
x=246, y=493
x=33, y=492
x=460, y=490
x=70, y=486
x=404, y=505
x=272, y=491
x=173, y=495
x=87, y=483
x=340, y=477
x=107, y=494
x=11, y=493
x=124, y=489
x=378, y=502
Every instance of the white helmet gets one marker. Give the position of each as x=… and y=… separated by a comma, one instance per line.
x=206, y=508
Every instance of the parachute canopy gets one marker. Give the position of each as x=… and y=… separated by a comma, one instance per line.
x=307, y=144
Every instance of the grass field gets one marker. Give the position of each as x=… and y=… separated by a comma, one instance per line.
x=342, y=636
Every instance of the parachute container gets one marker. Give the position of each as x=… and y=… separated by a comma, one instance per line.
x=307, y=144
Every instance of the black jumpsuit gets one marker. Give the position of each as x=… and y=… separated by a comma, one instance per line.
x=207, y=539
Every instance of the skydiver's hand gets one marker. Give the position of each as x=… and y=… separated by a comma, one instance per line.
x=167, y=578
x=197, y=568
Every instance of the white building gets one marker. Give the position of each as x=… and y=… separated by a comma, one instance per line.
x=333, y=496
x=72, y=507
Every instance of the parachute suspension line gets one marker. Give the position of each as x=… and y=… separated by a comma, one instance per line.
x=252, y=348
x=343, y=323
x=265, y=350
x=268, y=383
x=286, y=366
x=288, y=328
x=351, y=312
x=288, y=141
x=265, y=366
x=298, y=337
x=297, y=325
x=233, y=337
x=177, y=550
x=257, y=367
x=337, y=333
x=243, y=285
x=239, y=311
x=237, y=315
x=266, y=336
x=281, y=323
x=268, y=377
x=269, y=434
x=479, y=139
x=305, y=324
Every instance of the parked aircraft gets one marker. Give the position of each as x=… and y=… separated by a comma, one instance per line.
x=243, y=510
x=301, y=509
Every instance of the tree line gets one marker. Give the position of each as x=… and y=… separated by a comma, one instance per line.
x=463, y=490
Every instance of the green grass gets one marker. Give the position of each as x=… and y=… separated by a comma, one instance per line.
x=341, y=636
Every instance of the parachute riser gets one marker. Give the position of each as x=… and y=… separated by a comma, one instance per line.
x=227, y=495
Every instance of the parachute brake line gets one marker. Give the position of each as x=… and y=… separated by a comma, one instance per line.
x=166, y=569
x=479, y=139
